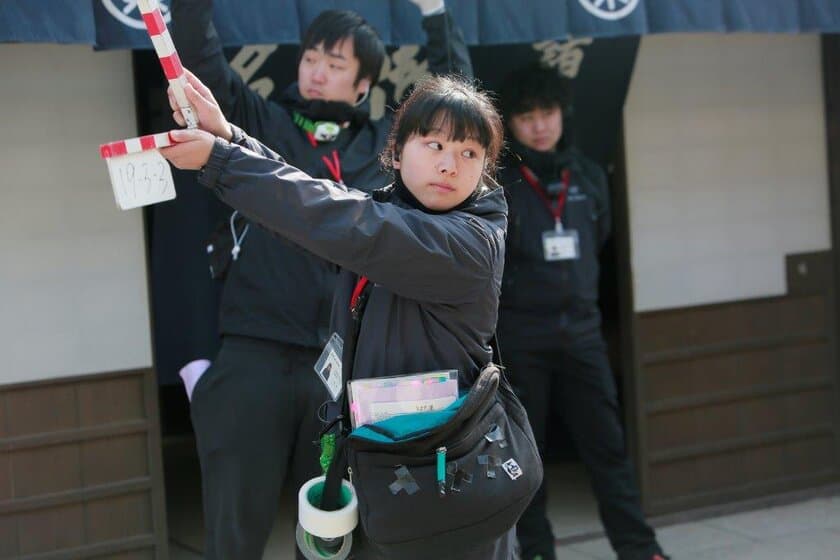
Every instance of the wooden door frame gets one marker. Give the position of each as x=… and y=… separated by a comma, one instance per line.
x=628, y=340
x=830, y=52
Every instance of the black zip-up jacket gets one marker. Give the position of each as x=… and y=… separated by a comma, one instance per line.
x=436, y=277
x=275, y=290
x=546, y=304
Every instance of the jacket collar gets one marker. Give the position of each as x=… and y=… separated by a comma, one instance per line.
x=485, y=202
x=548, y=166
x=320, y=110
x=402, y=192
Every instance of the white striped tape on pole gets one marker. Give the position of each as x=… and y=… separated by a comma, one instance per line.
x=169, y=60
x=135, y=145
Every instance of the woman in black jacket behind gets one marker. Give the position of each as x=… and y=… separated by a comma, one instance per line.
x=431, y=244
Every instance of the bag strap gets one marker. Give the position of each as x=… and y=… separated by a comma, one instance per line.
x=335, y=473
x=358, y=304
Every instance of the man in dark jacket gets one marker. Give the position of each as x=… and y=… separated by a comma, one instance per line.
x=255, y=411
x=549, y=322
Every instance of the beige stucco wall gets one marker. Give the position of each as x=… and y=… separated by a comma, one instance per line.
x=727, y=170
x=73, y=296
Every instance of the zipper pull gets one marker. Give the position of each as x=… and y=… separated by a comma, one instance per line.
x=350, y=475
x=441, y=471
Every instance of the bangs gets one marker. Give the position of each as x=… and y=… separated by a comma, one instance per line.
x=454, y=107
x=534, y=87
x=329, y=37
x=330, y=29
x=451, y=114
x=526, y=105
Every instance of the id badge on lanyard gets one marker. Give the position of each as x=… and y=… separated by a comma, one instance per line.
x=328, y=366
x=558, y=244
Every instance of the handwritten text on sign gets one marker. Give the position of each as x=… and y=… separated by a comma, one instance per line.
x=140, y=179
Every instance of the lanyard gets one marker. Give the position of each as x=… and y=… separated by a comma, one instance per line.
x=557, y=208
x=333, y=164
x=357, y=293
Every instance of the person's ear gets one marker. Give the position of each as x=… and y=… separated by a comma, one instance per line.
x=362, y=89
x=395, y=160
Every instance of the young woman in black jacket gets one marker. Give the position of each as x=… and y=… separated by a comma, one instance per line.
x=274, y=307
x=431, y=244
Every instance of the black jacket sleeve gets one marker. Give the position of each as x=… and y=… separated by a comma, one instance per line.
x=241, y=139
x=602, y=203
x=446, y=49
x=447, y=258
x=201, y=52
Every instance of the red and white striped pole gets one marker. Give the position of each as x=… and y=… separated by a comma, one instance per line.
x=169, y=60
x=135, y=145
x=139, y=174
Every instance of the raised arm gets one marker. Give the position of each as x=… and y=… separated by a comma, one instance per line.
x=446, y=49
x=445, y=258
x=211, y=118
x=200, y=49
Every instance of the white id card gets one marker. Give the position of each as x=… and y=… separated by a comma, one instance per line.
x=328, y=366
x=560, y=245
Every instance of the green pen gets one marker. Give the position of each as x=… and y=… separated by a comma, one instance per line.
x=441, y=471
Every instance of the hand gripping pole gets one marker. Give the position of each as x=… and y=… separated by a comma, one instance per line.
x=169, y=60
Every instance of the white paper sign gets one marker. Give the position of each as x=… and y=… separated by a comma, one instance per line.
x=140, y=179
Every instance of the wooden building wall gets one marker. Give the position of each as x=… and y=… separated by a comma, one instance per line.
x=80, y=469
x=740, y=399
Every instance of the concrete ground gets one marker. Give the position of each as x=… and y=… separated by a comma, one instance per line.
x=798, y=531
x=803, y=530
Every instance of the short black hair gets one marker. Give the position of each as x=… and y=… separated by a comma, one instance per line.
x=534, y=87
x=334, y=26
x=448, y=103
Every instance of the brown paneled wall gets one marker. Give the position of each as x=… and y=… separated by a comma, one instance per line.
x=80, y=469
x=740, y=399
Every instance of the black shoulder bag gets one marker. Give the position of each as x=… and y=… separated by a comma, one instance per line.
x=447, y=489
